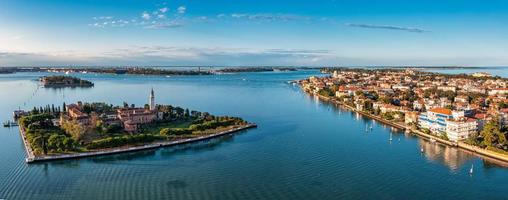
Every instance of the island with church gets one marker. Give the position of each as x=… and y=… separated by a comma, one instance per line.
x=93, y=129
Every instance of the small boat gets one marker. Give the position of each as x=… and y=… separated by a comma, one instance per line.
x=10, y=124
x=471, y=170
x=421, y=150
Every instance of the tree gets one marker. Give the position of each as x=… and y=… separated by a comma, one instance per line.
x=35, y=111
x=69, y=143
x=187, y=114
x=55, y=142
x=491, y=134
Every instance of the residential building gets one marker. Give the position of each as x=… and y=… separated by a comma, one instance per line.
x=460, y=128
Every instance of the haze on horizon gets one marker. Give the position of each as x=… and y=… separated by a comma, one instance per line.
x=242, y=32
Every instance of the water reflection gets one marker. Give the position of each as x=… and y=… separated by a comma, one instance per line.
x=451, y=157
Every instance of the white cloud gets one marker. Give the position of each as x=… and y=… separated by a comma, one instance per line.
x=387, y=27
x=146, y=16
x=164, y=10
x=270, y=17
x=164, y=25
x=161, y=16
x=181, y=9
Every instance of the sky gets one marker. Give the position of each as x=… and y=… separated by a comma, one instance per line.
x=253, y=33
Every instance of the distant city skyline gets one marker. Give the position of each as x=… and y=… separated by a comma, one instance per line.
x=276, y=33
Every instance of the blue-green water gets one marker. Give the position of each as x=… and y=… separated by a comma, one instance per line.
x=302, y=149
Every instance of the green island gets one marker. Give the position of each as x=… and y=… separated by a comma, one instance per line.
x=87, y=129
x=64, y=81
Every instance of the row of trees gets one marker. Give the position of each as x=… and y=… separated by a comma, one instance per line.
x=51, y=109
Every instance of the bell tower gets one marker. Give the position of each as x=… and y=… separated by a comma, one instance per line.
x=152, y=100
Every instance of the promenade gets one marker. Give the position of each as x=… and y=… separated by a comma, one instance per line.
x=32, y=158
x=473, y=149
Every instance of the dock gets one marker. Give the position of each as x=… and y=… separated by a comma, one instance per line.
x=31, y=157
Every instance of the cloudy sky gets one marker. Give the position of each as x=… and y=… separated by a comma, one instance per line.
x=253, y=32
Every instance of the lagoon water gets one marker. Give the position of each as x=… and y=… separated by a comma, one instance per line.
x=302, y=149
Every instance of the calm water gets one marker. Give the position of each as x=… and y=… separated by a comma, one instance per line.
x=302, y=149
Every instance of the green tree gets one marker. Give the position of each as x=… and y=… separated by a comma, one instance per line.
x=492, y=135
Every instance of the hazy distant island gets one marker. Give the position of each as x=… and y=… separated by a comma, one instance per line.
x=6, y=71
x=254, y=69
x=89, y=129
x=64, y=81
x=177, y=71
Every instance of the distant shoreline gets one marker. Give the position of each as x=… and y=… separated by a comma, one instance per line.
x=212, y=70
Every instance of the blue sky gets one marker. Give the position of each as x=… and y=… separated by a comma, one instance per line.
x=253, y=32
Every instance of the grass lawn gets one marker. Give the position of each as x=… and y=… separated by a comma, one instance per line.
x=156, y=128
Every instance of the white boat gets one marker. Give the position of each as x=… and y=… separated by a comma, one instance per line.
x=471, y=170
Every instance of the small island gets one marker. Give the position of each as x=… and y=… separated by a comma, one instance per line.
x=64, y=81
x=92, y=129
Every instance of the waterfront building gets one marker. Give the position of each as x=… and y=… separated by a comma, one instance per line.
x=435, y=119
x=460, y=128
x=411, y=117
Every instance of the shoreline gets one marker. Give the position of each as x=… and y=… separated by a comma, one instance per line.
x=31, y=158
x=461, y=145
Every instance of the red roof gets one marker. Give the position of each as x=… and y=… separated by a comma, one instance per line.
x=443, y=111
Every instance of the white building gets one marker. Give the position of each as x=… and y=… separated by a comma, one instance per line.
x=435, y=119
x=453, y=123
x=460, y=128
